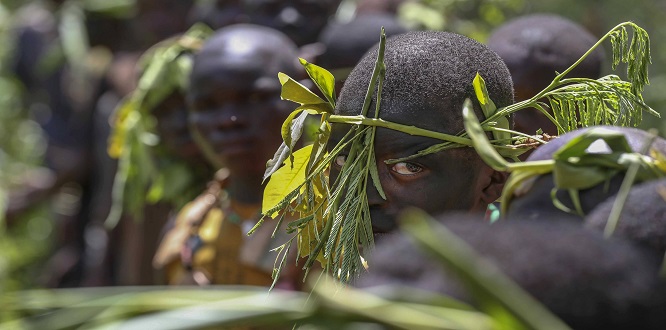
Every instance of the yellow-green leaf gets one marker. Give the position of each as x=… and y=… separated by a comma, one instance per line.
x=487, y=105
x=322, y=78
x=286, y=179
x=294, y=91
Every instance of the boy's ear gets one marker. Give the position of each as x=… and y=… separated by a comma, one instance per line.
x=493, y=185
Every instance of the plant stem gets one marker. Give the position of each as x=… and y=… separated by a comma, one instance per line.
x=411, y=130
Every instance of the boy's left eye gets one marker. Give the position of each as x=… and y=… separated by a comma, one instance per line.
x=405, y=168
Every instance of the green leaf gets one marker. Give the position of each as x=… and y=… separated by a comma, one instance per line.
x=374, y=175
x=323, y=79
x=294, y=91
x=480, y=141
x=487, y=105
x=285, y=180
x=319, y=145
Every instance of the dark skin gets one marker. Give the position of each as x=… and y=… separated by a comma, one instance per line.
x=444, y=181
x=236, y=107
x=301, y=20
x=173, y=130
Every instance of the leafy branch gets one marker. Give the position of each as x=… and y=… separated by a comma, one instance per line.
x=333, y=224
x=133, y=139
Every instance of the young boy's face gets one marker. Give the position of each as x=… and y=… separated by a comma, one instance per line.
x=235, y=105
x=444, y=181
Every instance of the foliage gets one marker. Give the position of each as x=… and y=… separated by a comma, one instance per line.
x=506, y=306
x=473, y=18
x=336, y=220
x=573, y=166
x=22, y=147
x=143, y=169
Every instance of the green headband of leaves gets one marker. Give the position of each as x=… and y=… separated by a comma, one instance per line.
x=333, y=222
x=573, y=166
x=165, y=70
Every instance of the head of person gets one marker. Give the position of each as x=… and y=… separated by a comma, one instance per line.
x=160, y=19
x=378, y=6
x=301, y=20
x=171, y=124
x=534, y=198
x=428, y=77
x=346, y=43
x=234, y=95
x=219, y=13
x=643, y=216
x=587, y=281
x=535, y=48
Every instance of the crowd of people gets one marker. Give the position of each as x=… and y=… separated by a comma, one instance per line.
x=168, y=152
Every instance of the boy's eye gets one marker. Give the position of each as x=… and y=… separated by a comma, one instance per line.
x=405, y=168
x=340, y=160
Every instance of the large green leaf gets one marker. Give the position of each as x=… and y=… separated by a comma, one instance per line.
x=285, y=180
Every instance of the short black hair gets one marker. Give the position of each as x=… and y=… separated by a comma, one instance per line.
x=537, y=202
x=535, y=46
x=429, y=70
x=643, y=216
x=586, y=280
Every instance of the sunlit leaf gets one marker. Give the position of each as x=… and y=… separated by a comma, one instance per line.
x=322, y=78
x=294, y=91
x=285, y=180
x=487, y=105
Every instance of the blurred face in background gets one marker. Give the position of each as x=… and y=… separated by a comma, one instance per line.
x=235, y=102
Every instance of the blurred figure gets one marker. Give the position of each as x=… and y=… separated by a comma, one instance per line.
x=537, y=196
x=63, y=112
x=643, y=217
x=585, y=280
x=128, y=247
x=346, y=43
x=219, y=13
x=236, y=110
x=300, y=20
x=535, y=48
x=156, y=178
x=378, y=6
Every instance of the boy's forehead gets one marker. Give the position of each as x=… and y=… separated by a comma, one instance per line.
x=442, y=116
x=390, y=142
